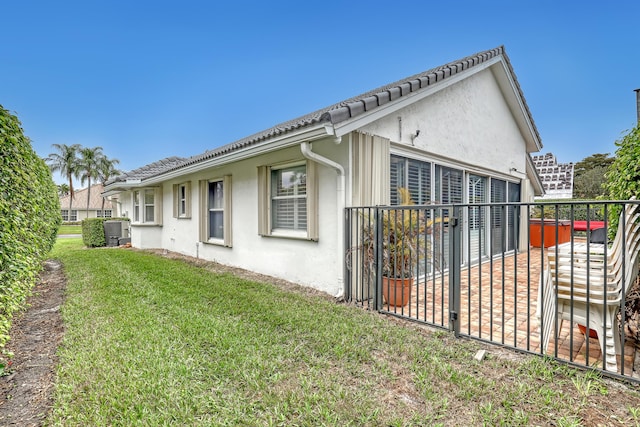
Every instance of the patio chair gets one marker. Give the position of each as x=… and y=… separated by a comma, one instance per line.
x=587, y=283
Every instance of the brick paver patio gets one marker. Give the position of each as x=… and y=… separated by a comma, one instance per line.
x=498, y=304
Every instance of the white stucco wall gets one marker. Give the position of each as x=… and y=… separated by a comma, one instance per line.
x=315, y=264
x=467, y=122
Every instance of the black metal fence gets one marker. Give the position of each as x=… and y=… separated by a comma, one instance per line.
x=554, y=279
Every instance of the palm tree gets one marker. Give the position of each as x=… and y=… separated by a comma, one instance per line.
x=106, y=171
x=90, y=159
x=63, y=189
x=65, y=161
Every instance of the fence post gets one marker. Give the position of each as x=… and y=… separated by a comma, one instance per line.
x=347, y=251
x=377, y=296
x=454, y=270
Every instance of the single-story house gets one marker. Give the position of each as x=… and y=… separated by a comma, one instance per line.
x=99, y=207
x=273, y=202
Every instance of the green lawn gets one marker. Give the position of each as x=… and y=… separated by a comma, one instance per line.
x=154, y=341
x=70, y=229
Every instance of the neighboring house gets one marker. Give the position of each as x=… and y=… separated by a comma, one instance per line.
x=79, y=205
x=557, y=178
x=274, y=202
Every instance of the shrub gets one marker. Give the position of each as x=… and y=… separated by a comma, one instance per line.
x=567, y=211
x=29, y=218
x=93, y=231
x=623, y=176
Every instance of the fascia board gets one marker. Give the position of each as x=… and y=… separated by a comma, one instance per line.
x=516, y=104
x=284, y=141
x=382, y=111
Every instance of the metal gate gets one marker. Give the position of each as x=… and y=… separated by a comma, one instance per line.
x=484, y=271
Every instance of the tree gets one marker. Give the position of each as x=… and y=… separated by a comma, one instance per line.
x=623, y=176
x=601, y=160
x=89, y=165
x=106, y=171
x=65, y=161
x=588, y=176
x=63, y=189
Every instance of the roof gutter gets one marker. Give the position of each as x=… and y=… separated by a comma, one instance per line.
x=284, y=141
x=305, y=148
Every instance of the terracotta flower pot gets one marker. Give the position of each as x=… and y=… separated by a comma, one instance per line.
x=592, y=332
x=396, y=292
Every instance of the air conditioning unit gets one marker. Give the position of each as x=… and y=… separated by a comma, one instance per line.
x=114, y=230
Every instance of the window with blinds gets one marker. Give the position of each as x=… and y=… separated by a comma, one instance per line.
x=289, y=198
x=287, y=201
x=498, y=215
x=513, y=213
x=477, y=194
x=449, y=185
x=414, y=175
x=477, y=216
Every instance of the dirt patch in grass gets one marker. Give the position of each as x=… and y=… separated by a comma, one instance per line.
x=26, y=392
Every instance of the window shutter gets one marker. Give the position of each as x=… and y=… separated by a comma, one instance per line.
x=187, y=189
x=158, y=205
x=176, y=200
x=226, y=185
x=264, y=228
x=203, y=190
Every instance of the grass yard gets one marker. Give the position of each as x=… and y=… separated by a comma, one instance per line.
x=156, y=341
x=70, y=229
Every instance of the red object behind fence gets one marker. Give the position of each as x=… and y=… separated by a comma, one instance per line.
x=582, y=225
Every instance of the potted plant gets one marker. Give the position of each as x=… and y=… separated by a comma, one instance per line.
x=403, y=248
x=400, y=232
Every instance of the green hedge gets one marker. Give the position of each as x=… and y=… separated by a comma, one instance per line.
x=93, y=231
x=580, y=213
x=29, y=218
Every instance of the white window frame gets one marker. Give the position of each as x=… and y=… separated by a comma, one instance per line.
x=206, y=209
x=103, y=213
x=139, y=206
x=266, y=205
x=182, y=200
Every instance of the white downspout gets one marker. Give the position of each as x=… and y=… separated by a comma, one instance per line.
x=305, y=147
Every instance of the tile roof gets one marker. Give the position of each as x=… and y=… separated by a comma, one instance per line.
x=80, y=199
x=343, y=110
x=150, y=170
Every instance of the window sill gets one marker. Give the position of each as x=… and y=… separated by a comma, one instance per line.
x=145, y=224
x=290, y=234
x=216, y=242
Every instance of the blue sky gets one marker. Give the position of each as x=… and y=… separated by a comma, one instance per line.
x=151, y=79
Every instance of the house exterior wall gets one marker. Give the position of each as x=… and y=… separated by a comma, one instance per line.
x=466, y=125
x=468, y=122
x=315, y=264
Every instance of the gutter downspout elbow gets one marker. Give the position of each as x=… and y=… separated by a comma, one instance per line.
x=305, y=148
